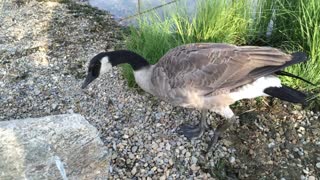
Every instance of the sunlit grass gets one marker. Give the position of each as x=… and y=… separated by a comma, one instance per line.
x=298, y=29
x=224, y=21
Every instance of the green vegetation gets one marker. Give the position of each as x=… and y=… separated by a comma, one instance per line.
x=296, y=27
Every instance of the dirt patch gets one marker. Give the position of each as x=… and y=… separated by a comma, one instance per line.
x=271, y=142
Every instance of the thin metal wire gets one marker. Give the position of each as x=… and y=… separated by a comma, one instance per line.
x=139, y=6
x=146, y=11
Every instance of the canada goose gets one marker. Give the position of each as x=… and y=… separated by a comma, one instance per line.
x=207, y=76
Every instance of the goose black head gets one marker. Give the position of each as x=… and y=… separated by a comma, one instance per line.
x=98, y=65
x=103, y=62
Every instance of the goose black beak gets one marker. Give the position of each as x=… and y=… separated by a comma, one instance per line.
x=88, y=80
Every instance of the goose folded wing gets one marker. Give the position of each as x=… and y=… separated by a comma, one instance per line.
x=212, y=68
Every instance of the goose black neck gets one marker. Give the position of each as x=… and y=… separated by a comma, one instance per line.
x=123, y=56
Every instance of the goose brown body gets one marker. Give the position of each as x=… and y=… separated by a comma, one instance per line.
x=202, y=75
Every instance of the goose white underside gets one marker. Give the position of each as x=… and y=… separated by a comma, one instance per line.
x=221, y=102
x=256, y=88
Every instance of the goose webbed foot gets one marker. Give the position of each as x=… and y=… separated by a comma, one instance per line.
x=190, y=131
x=196, y=131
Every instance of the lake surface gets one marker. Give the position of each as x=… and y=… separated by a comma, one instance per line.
x=122, y=9
x=126, y=11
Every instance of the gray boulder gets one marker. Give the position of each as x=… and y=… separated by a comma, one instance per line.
x=52, y=147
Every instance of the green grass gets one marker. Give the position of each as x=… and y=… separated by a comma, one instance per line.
x=214, y=21
x=296, y=28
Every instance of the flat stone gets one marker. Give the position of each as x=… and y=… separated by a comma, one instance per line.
x=52, y=147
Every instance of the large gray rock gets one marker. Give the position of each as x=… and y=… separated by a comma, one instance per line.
x=53, y=147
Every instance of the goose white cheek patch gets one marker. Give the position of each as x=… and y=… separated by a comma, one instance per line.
x=105, y=65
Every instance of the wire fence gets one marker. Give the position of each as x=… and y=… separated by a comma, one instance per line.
x=140, y=12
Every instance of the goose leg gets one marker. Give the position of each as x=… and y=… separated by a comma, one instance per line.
x=195, y=131
x=220, y=130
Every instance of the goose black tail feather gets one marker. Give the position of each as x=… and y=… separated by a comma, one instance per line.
x=297, y=57
x=287, y=94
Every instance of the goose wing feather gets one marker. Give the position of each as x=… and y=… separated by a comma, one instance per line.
x=210, y=68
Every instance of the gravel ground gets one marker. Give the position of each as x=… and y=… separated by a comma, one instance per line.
x=44, y=48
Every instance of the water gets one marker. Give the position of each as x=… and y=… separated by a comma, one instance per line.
x=128, y=9
x=125, y=11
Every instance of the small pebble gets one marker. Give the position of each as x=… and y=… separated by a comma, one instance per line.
x=305, y=171
x=194, y=160
x=232, y=159
x=131, y=156
x=312, y=178
x=194, y=167
x=188, y=154
x=168, y=146
x=125, y=136
x=134, y=149
x=171, y=162
x=271, y=145
x=134, y=171
x=154, y=145
x=300, y=153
